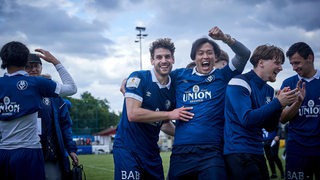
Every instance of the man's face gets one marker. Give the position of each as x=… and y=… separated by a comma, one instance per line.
x=162, y=61
x=205, y=58
x=302, y=66
x=270, y=69
x=33, y=68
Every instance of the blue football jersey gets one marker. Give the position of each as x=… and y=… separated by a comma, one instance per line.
x=140, y=137
x=205, y=93
x=22, y=94
x=304, y=128
x=250, y=106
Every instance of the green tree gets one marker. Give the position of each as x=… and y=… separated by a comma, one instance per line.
x=91, y=115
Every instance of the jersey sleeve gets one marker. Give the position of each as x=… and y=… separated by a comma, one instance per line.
x=134, y=86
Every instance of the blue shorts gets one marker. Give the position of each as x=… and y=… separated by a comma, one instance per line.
x=299, y=166
x=130, y=165
x=196, y=162
x=244, y=166
x=22, y=163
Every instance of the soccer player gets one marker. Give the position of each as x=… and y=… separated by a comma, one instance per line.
x=303, y=116
x=148, y=108
x=198, y=143
x=250, y=106
x=20, y=98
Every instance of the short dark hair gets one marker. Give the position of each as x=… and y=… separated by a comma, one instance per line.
x=302, y=48
x=223, y=56
x=266, y=52
x=199, y=42
x=162, y=43
x=33, y=58
x=14, y=54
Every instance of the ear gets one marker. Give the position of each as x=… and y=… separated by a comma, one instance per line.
x=152, y=61
x=310, y=58
x=261, y=63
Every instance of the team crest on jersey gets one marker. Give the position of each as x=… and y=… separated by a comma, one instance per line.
x=22, y=85
x=211, y=78
x=46, y=101
x=133, y=82
x=268, y=99
x=148, y=94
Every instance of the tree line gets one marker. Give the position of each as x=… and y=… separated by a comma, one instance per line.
x=91, y=115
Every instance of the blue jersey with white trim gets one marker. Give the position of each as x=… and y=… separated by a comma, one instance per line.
x=304, y=129
x=205, y=93
x=141, y=137
x=249, y=107
x=22, y=94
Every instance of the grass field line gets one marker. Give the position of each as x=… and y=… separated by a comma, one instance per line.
x=94, y=167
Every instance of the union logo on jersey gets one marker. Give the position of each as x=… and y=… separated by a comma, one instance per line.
x=7, y=108
x=22, y=85
x=197, y=95
x=312, y=110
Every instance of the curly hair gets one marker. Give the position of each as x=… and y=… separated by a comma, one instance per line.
x=162, y=43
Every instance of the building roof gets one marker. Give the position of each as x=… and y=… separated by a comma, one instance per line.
x=106, y=132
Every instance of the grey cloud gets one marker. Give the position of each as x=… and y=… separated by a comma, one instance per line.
x=52, y=28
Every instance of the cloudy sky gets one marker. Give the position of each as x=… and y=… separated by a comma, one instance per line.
x=95, y=39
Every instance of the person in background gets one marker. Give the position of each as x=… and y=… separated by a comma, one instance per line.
x=271, y=142
x=191, y=65
x=198, y=143
x=20, y=100
x=303, y=117
x=222, y=60
x=148, y=108
x=250, y=106
x=56, y=130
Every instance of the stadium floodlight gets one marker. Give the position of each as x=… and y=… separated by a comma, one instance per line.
x=140, y=36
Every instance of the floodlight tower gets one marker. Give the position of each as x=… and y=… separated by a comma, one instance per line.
x=140, y=36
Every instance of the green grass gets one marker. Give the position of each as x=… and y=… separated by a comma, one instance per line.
x=98, y=167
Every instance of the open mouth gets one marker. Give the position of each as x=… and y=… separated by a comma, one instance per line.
x=205, y=64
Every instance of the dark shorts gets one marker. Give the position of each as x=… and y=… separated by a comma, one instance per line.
x=299, y=166
x=244, y=166
x=196, y=162
x=130, y=165
x=22, y=163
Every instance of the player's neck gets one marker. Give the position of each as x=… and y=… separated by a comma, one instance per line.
x=13, y=69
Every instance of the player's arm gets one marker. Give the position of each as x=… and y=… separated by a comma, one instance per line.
x=138, y=114
x=242, y=53
x=68, y=86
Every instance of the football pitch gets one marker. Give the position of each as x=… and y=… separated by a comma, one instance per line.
x=100, y=167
